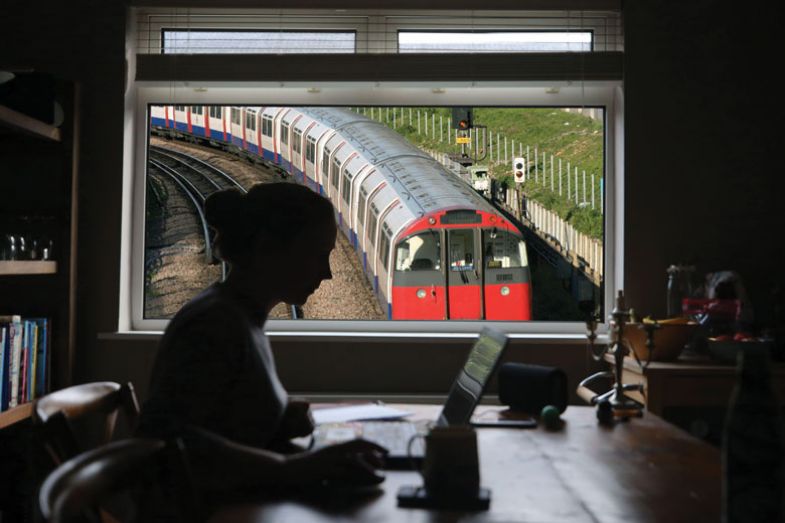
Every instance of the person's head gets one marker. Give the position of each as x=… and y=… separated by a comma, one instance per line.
x=278, y=235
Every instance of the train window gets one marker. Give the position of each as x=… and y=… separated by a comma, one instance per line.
x=361, y=206
x=310, y=149
x=196, y=109
x=297, y=141
x=372, y=224
x=284, y=133
x=250, y=120
x=384, y=245
x=236, y=116
x=502, y=250
x=216, y=111
x=420, y=252
x=335, y=173
x=346, y=190
x=267, y=126
x=461, y=249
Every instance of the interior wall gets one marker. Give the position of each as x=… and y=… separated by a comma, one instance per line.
x=703, y=177
x=699, y=164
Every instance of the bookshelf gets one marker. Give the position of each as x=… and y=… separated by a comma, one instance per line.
x=40, y=171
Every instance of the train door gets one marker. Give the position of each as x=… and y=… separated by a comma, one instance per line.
x=506, y=289
x=418, y=291
x=464, y=280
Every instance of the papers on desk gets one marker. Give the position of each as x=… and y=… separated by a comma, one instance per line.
x=366, y=411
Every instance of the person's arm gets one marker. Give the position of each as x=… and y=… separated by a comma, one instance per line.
x=221, y=464
x=297, y=420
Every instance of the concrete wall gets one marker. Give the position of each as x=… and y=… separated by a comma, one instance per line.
x=699, y=162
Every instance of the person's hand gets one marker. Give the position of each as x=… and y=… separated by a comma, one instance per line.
x=352, y=463
x=297, y=420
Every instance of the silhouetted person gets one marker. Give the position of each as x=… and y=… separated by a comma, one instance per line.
x=214, y=381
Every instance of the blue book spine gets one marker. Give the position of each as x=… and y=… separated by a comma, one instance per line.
x=3, y=373
x=41, y=364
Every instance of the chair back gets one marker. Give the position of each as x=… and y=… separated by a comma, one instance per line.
x=78, y=489
x=55, y=414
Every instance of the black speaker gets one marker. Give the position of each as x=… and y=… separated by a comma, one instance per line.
x=528, y=388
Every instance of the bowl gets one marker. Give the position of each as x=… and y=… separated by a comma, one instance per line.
x=669, y=340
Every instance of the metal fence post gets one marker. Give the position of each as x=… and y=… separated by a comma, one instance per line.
x=551, y=173
x=536, y=159
x=559, y=176
x=592, y=192
x=584, y=186
x=576, y=186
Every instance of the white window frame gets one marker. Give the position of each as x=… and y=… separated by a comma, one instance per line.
x=606, y=94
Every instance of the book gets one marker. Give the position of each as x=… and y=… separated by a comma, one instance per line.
x=3, y=334
x=15, y=348
x=41, y=362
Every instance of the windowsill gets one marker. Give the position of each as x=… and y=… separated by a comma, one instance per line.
x=338, y=336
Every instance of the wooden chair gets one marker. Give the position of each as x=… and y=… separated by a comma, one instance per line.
x=55, y=415
x=150, y=472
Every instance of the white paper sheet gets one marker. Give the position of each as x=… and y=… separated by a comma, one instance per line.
x=366, y=411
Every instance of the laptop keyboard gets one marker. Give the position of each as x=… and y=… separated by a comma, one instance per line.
x=394, y=436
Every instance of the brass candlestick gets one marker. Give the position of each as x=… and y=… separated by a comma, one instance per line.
x=621, y=405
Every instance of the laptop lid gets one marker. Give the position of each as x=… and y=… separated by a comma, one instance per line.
x=468, y=387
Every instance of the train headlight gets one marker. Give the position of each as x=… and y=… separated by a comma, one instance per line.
x=421, y=293
x=505, y=291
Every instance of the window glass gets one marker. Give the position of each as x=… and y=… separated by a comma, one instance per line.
x=372, y=224
x=421, y=252
x=298, y=140
x=502, y=250
x=361, y=205
x=549, y=190
x=335, y=172
x=461, y=250
x=494, y=41
x=267, y=126
x=216, y=111
x=257, y=42
x=384, y=246
x=285, y=133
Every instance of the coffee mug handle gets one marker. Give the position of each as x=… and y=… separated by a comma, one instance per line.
x=409, y=452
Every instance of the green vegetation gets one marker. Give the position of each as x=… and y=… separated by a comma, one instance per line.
x=573, y=138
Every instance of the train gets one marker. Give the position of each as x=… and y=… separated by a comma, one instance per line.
x=430, y=246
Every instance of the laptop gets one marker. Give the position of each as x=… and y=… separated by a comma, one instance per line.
x=397, y=437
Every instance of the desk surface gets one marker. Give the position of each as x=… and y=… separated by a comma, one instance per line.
x=641, y=470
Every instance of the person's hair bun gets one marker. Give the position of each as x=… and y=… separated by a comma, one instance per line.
x=224, y=209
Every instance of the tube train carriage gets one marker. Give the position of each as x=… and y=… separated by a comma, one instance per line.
x=432, y=248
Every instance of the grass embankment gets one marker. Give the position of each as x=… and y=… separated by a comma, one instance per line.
x=570, y=137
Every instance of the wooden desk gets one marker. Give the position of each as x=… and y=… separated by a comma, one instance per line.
x=643, y=470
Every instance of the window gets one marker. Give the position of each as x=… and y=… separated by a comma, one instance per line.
x=384, y=246
x=298, y=140
x=361, y=205
x=501, y=250
x=196, y=109
x=310, y=149
x=216, y=111
x=267, y=126
x=581, y=102
x=250, y=120
x=494, y=41
x=372, y=224
x=180, y=108
x=347, y=186
x=335, y=173
x=284, y=133
x=421, y=252
x=256, y=42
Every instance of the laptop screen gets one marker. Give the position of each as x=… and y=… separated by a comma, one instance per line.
x=470, y=384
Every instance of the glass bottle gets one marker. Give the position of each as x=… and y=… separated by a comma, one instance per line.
x=753, y=452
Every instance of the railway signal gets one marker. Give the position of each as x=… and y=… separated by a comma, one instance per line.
x=462, y=118
x=519, y=169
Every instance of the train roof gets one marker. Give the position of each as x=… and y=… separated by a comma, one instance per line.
x=423, y=184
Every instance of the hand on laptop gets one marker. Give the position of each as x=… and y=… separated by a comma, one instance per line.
x=297, y=420
x=353, y=463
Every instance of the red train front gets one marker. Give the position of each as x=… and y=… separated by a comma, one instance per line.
x=463, y=265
